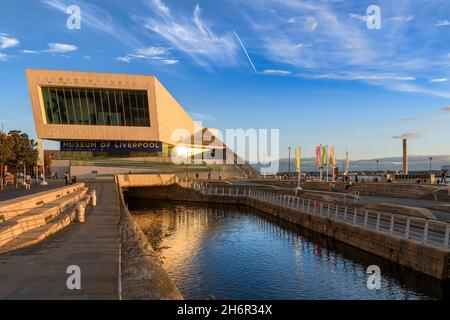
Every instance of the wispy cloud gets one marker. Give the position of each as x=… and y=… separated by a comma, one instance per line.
x=191, y=36
x=276, y=72
x=53, y=48
x=406, y=87
x=402, y=19
x=308, y=23
x=3, y=57
x=97, y=19
x=358, y=17
x=359, y=76
x=160, y=54
x=341, y=49
x=443, y=23
x=62, y=48
x=29, y=51
x=7, y=42
x=438, y=80
x=152, y=51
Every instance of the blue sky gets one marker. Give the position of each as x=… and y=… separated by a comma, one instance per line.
x=311, y=68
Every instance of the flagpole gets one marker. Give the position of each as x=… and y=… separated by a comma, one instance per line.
x=299, y=167
x=328, y=163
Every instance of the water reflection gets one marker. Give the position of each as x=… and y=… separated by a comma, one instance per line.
x=228, y=252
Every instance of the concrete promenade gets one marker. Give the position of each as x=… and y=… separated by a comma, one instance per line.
x=39, y=272
x=419, y=203
x=11, y=192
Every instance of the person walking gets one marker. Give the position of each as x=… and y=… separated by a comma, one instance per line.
x=349, y=184
x=27, y=182
x=443, y=178
x=66, y=178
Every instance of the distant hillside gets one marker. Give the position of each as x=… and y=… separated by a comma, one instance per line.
x=416, y=163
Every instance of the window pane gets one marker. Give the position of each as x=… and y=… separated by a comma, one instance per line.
x=77, y=106
x=120, y=108
x=84, y=107
x=105, y=107
x=55, y=109
x=146, y=109
x=113, y=108
x=69, y=106
x=61, y=105
x=47, y=105
x=127, y=107
x=133, y=108
x=98, y=108
x=92, y=108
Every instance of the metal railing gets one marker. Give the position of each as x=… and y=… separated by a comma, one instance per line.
x=426, y=231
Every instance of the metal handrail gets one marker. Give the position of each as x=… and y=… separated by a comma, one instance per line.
x=426, y=231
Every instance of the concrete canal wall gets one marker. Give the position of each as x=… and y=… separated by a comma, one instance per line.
x=142, y=275
x=425, y=259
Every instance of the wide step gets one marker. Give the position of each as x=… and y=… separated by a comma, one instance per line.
x=36, y=235
x=37, y=217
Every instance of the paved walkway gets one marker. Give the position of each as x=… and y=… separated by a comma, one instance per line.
x=11, y=192
x=39, y=272
x=440, y=215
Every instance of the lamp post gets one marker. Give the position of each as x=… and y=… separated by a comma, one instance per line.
x=431, y=159
x=289, y=163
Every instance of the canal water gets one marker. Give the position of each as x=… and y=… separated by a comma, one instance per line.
x=232, y=252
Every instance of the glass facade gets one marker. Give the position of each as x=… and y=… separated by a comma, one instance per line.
x=100, y=107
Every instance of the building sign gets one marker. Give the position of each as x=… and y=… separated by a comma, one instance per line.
x=112, y=146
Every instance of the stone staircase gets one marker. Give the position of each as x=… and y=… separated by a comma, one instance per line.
x=36, y=217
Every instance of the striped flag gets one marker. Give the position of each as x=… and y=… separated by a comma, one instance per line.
x=318, y=155
x=298, y=160
x=325, y=155
x=332, y=157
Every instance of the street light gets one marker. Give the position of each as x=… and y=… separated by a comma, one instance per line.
x=431, y=159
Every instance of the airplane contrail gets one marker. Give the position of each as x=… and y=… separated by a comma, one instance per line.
x=245, y=50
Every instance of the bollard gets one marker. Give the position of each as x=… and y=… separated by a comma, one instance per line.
x=80, y=216
x=94, y=198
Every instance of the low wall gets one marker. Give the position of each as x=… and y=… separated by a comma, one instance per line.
x=428, y=260
x=142, y=275
x=399, y=190
x=402, y=210
x=142, y=180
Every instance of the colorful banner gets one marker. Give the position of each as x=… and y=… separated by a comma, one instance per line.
x=298, y=160
x=40, y=149
x=332, y=157
x=324, y=155
x=318, y=155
